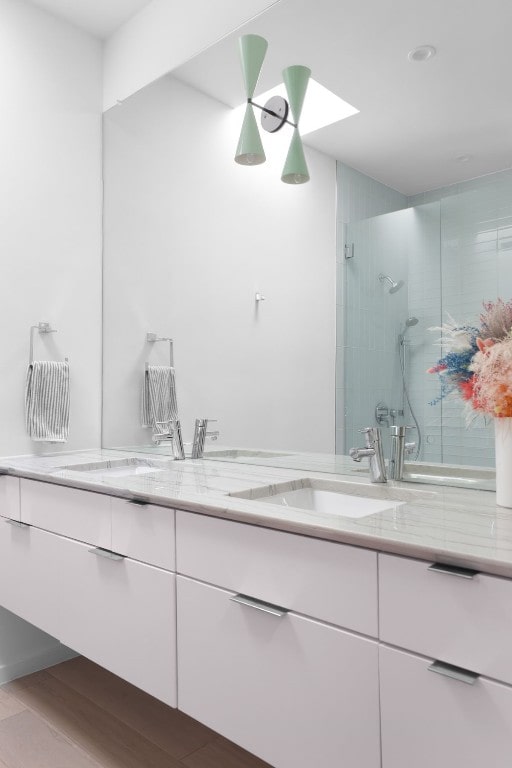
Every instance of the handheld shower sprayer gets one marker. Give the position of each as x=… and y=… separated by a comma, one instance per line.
x=409, y=323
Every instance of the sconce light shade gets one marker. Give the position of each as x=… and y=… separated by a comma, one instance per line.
x=252, y=52
x=250, y=149
x=295, y=169
x=296, y=80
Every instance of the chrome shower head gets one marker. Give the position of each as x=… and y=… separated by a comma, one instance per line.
x=393, y=286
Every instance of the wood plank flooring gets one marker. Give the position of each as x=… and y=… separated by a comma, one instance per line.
x=78, y=715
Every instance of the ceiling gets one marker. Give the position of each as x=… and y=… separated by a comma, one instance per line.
x=415, y=119
x=99, y=17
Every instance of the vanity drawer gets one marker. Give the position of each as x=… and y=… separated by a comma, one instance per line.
x=81, y=515
x=293, y=691
x=30, y=574
x=121, y=614
x=10, y=497
x=463, y=621
x=144, y=532
x=322, y=579
x=432, y=720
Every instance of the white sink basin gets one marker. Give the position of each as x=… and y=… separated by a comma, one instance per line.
x=330, y=502
x=118, y=467
x=330, y=497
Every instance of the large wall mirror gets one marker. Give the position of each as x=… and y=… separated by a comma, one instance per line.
x=191, y=238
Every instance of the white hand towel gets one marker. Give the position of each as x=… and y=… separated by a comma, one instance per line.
x=47, y=401
x=159, y=402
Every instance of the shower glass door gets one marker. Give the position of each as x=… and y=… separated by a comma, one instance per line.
x=391, y=296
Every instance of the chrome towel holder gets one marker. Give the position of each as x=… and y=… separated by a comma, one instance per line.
x=152, y=338
x=41, y=327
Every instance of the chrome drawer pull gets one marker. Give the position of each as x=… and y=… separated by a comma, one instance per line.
x=456, y=673
x=453, y=570
x=16, y=523
x=260, y=605
x=107, y=553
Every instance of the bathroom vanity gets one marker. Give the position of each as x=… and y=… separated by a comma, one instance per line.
x=309, y=638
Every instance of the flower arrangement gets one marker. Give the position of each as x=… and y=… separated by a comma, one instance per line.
x=478, y=363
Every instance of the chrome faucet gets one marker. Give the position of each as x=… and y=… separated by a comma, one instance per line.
x=399, y=449
x=372, y=449
x=171, y=432
x=200, y=435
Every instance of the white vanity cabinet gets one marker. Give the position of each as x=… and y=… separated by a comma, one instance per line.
x=290, y=688
x=121, y=614
x=452, y=628
x=31, y=575
x=144, y=532
x=80, y=515
x=58, y=571
x=457, y=616
x=332, y=582
x=430, y=719
x=9, y=497
x=304, y=651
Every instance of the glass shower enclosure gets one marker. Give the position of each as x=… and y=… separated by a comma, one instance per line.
x=402, y=275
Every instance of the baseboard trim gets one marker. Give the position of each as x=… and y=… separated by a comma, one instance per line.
x=47, y=658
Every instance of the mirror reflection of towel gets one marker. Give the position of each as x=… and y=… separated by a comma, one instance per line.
x=47, y=401
x=159, y=402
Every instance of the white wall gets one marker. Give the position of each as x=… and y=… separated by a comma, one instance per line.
x=50, y=199
x=165, y=34
x=190, y=236
x=50, y=243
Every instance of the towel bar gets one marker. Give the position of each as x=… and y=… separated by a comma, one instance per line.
x=42, y=328
x=152, y=338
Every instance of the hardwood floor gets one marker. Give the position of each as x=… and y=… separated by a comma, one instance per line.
x=78, y=715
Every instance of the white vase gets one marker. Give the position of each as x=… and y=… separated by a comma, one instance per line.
x=503, y=439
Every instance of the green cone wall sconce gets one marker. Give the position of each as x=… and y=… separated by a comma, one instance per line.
x=274, y=114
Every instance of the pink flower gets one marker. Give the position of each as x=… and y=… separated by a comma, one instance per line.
x=485, y=344
x=437, y=368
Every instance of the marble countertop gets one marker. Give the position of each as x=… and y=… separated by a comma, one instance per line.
x=431, y=522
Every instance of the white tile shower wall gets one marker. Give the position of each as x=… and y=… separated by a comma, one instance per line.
x=476, y=230
x=190, y=236
x=50, y=193
x=360, y=197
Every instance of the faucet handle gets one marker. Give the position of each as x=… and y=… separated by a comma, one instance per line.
x=372, y=435
x=399, y=431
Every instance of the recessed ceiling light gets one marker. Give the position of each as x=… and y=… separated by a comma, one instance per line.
x=321, y=107
x=422, y=53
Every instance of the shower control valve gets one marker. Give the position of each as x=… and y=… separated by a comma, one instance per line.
x=382, y=414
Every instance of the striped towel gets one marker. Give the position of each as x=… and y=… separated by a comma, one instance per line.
x=47, y=401
x=159, y=403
